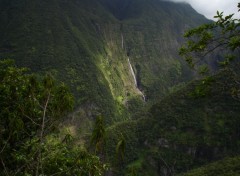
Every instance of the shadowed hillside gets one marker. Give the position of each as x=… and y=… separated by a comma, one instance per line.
x=87, y=45
x=191, y=127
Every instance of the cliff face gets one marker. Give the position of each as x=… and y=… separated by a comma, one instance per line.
x=87, y=44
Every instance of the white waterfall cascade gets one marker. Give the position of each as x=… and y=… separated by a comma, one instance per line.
x=135, y=80
x=122, y=41
x=132, y=72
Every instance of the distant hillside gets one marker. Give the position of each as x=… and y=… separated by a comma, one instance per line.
x=87, y=44
x=190, y=128
x=226, y=167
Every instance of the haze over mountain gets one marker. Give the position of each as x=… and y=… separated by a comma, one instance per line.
x=209, y=8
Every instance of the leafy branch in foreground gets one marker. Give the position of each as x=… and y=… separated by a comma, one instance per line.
x=31, y=108
x=224, y=35
x=221, y=38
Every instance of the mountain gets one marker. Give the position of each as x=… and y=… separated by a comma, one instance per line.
x=120, y=59
x=92, y=45
x=188, y=129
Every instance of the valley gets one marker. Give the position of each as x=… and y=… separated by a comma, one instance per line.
x=139, y=107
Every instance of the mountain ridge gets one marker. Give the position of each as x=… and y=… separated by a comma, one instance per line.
x=81, y=43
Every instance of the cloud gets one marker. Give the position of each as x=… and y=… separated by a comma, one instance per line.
x=209, y=7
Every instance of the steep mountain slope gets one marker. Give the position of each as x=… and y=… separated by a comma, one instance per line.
x=151, y=32
x=194, y=126
x=57, y=36
x=88, y=43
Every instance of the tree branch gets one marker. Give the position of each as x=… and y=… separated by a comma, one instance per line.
x=42, y=131
x=5, y=169
x=5, y=144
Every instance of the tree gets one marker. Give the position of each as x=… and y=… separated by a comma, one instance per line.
x=98, y=134
x=224, y=35
x=31, y=108
x=120, y=148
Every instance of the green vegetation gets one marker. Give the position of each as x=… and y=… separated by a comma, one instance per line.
x=80, y=42
x=31, y=109
x=61, y=37
x=220, y=35
x=194, y=125
x=185, y=130
x=91, y=46
x=98, y=135
x=226, y=167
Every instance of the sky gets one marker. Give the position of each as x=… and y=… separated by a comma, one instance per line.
x=209, y=7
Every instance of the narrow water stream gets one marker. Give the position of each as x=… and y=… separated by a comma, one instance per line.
x=132, y=72
x=135, y=80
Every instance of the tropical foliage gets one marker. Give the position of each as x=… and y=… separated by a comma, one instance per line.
x=31, y=109
x=222, y=36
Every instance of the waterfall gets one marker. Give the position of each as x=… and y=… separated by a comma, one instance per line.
x=122, y=40
x=135, y=80
x=132, y=72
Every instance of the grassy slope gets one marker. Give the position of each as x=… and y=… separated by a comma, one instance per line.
x=189, y=128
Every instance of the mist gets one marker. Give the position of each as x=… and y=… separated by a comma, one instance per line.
x=209, y=7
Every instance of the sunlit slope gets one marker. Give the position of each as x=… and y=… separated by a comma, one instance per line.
x=87, y=43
